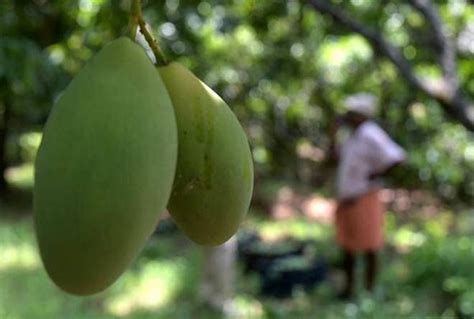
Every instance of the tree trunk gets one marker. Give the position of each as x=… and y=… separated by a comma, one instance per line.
x=217, y=285
x=3, y=143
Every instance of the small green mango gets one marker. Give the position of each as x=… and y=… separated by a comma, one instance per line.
x=98, y=189
x=214, y=175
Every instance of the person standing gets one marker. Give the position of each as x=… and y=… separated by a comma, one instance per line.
x=365, y=155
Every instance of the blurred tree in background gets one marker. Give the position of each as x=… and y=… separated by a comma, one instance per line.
x=283, y=67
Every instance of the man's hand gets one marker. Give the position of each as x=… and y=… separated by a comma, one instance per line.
x=375, y=176
x=348, y=201
x=385, y=172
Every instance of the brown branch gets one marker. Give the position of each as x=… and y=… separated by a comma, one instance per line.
x=447, y=54
x=451, y=99
x=453, y=104
x=159, y=56
x=374, y=38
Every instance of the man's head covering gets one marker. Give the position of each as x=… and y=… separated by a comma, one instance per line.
x=361, y=103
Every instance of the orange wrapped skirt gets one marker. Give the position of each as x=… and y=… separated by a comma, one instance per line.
x=359, y=225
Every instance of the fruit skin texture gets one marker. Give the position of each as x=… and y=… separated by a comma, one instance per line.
x=214, y=176
x=98, y=190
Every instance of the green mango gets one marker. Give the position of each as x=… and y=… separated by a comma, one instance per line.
x=98, y=189
x=214, y=175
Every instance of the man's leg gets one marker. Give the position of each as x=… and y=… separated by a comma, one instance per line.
x=371, y=269
x=349, y=272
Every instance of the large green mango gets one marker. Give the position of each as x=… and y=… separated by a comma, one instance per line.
x=104, y=170
x=214, y=176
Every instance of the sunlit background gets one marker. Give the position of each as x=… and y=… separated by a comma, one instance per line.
x=284, y=69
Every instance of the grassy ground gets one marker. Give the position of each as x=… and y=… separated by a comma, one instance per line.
x=427, y=272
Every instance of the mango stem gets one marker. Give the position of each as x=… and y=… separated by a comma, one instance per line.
x=135, y=14
x=160, y=57
x=137, y=22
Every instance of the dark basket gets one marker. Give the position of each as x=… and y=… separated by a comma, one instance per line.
x=267, y=259
x=281, y=283
x=260, y=261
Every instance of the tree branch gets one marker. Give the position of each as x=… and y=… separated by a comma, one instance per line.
x=447, y=54
x=453, y=99
x=374, y=38
x=452, y=102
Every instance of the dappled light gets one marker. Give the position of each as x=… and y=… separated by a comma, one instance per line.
x=155, y=286
x=16, y=253
x=21, y=176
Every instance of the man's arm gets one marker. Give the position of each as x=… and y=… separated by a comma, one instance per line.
x=385, y=171
x=383, y=153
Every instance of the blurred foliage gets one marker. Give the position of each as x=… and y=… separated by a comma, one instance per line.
x=283, y=68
